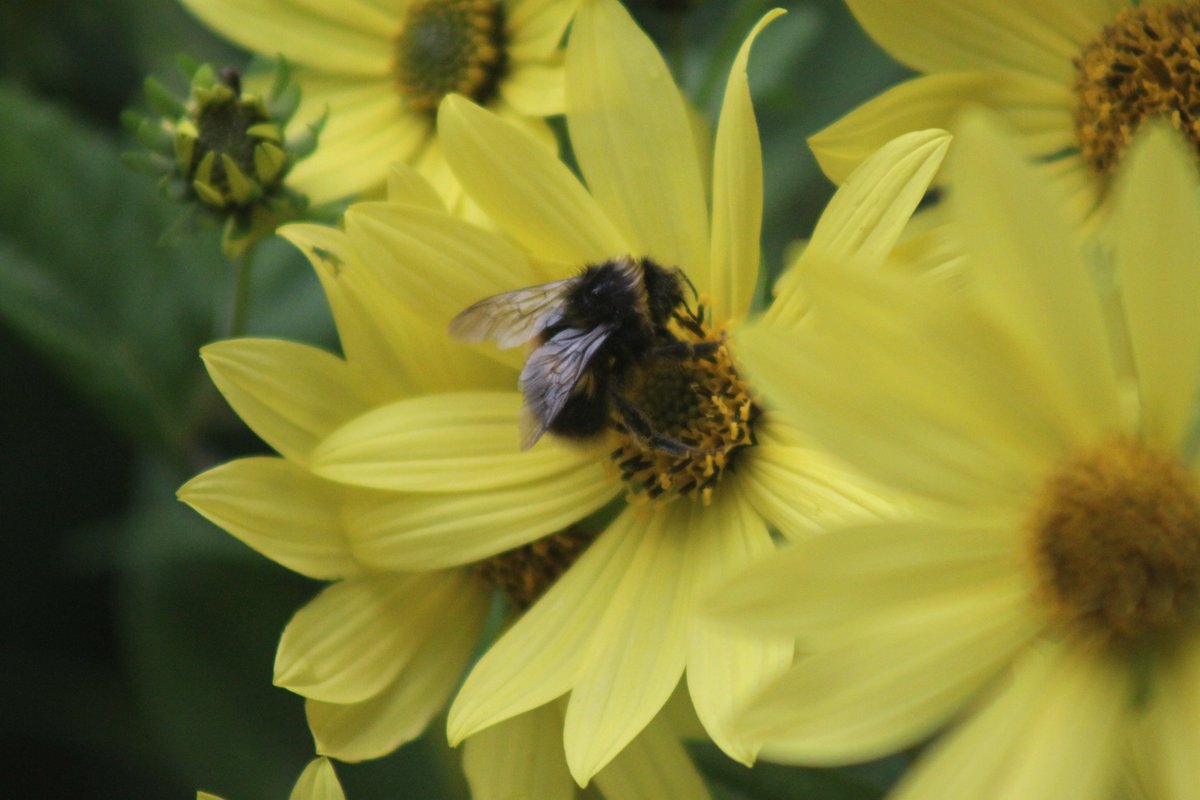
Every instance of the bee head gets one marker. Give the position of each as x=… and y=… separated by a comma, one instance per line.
x=664, y=289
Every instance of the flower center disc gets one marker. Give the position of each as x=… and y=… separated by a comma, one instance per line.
x=1117, y=540
x=449, y=46
x=1145, y=64
x=524, y=573
x=701, y=403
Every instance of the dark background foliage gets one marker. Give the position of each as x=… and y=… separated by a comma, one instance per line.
x=138, y=638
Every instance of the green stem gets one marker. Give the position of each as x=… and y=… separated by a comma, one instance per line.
x=241, y=293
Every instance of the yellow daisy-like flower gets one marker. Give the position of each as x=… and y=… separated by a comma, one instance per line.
x=318, y=781
x=618, y=631
x=380, y=68
x=1051, y=608
x=377, y=653
x=1074, y=78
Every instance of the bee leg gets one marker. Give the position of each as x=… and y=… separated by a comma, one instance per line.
x=639, y=427
x=685, y=351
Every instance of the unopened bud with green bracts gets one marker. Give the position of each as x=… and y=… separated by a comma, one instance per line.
x=224, y=151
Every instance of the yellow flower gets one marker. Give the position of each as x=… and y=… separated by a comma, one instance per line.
x=618, y=631
x=317, y=782
x=380, y=69
x=1051, y=606
x=377, y=653
x=1075, y=79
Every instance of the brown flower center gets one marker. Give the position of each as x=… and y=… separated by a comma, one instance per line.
x=701, y=403
x=524, y=573
x=449, y=46
x=1145, y=64
x=1116, y=540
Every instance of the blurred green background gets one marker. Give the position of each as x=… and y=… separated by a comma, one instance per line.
x=138, y=638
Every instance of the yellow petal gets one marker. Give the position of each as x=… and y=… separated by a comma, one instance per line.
x=433, y=263
x=290, y=394
x=1067, y=705
x=1027, y=265
x=893, y=685
x=653, y=765
x=1022, y=36
x=418, y=532
x=402, y=354
x=353, y=639
x=536, y=27
x=536, y=90
x=635, y=658
x=1039, y=110
x=401, y=711
x=1170, y=738
x=408, y=187
x=737, y=191
x=525, y=189
x=317, y=782
x=802, y=491
x=279, y=509
x=520, y=759
x=821, y=587
x=728, y=665
x=542, y=655
x=1157, y=230
x=631, y=135
x=464, y=441
x=349, y=37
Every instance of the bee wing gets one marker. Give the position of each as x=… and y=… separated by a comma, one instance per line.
x=550, y=375
x=512, y=317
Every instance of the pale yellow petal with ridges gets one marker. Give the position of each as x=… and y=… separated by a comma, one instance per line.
x=1027, y=267
x=408, y=187
x=1038, y=37
x=1069, y=704
x=802, y=491
x=350, y=641
x=402, y=710
x=896, y=683
x=454, y=442
x=1156, y=231
x=536, y=27
x=638, y=647
x=290, y=394
x=525, y=189
x=318, y=781
x=653, y=765
x=823, y=587
x=435, y=264
x=727, y=665
x=541, y=656
x=520, y=759
x=418, y=532
x=1170, y=738
x=279, y=509
x=1039, y=111
x=737, y=192
x=631, y=134
x=347, y=37
x=535, y=90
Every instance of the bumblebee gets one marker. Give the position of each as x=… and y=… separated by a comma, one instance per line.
x=592, y=332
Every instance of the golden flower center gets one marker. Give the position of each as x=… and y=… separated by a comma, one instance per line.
x=1145, y=64
x=1117, y=540
x=449, y=46
x=524, y=573
x=698, y=402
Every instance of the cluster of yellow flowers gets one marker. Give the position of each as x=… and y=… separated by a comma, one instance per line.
x=945, y=484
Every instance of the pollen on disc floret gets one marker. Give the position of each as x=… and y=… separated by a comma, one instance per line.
x=702, y=403
x=1144, y=64
x=1116, y=541
x=446, y=46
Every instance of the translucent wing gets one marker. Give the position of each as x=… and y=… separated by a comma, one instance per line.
x=512, y=317
x=550, y=375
